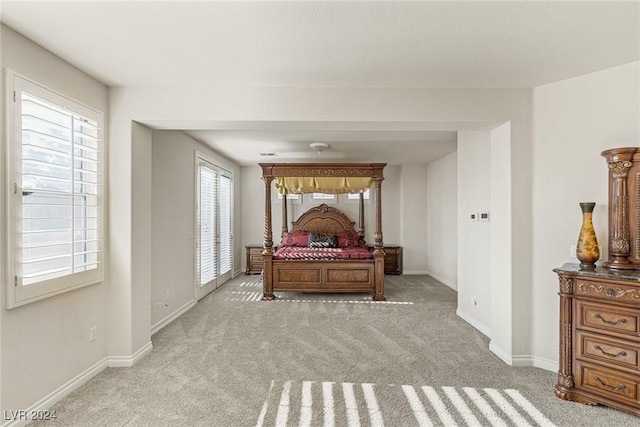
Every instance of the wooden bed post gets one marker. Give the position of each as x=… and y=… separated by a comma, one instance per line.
x=361, y=217
x=267, y=252
x=285, y=223
x=378, y=244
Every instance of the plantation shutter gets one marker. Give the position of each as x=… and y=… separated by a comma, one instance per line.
x=207, y=252
x=60, y=183
x=226, y=216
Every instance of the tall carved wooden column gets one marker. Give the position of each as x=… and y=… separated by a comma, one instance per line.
x=285, y=222
x=361, y=217
x=267, y=251
x=378, y=244
x=565, y=373
x=619, y=161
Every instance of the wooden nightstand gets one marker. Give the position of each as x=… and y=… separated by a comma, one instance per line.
x=254, y=259
x=392, y=258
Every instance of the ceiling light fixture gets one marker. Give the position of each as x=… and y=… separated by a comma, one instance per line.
x=318, y=147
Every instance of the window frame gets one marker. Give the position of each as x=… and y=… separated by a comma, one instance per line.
x=356, y=200
x=18, y=294
x=221, y=170
x=276, y=197
x=328, y=201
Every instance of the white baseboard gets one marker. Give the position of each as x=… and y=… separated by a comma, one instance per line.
x=415, y=272
x=504, y=355
x=537, y=362
x=50, y=400
x=453, y=286
x=473, y=322
x=127, y=361
x=524, y=359
x=173, y=316
x=546, y=364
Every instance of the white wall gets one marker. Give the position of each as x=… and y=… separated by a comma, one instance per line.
x=141, y=228
x=504, y=322
x=45, y=344
x=173, y=220
x=574, y=121
x=442, y=220
x=474, y=237
x=413, y=218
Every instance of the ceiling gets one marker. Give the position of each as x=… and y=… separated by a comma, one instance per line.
x=437, y=44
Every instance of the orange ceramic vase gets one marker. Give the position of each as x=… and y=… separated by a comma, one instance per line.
x=587, y=250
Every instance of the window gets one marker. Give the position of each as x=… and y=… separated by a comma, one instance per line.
x=214, y=226
x=55, y=187
x=324, y=198
x=294, y=199
x=354, y=198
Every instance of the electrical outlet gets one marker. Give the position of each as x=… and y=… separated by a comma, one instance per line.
x=474, y=301
x=473, y=216
x=93, y=333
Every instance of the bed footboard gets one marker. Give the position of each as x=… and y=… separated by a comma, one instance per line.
x=322, y=276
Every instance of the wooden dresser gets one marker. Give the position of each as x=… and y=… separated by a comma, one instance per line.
x=392, y=258
x=599, y=337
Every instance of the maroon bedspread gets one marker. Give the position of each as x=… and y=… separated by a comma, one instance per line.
x=294, y=252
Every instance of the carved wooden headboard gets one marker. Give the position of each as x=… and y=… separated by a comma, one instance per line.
x=324, y=219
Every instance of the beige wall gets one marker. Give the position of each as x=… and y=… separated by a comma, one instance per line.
x=413, y=218
x=173, y=221
x=574, y=121
x=474, y=244
x=442, y=220
x=46, y=343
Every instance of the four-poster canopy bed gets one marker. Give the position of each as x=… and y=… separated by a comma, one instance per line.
x=350, y=267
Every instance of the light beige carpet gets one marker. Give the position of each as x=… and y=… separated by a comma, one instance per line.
x=316, y=360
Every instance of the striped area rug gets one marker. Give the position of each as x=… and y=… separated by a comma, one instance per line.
x=312, y=403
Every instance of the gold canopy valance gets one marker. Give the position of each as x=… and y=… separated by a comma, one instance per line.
x=321, y=184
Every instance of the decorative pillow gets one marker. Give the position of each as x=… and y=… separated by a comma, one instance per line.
x=295, y=238
x=346, y=240
x=322, y=240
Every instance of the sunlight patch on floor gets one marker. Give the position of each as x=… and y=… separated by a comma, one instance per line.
x=315, y=403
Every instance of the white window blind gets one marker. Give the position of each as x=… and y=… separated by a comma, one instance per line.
x=207, y=253
x=215, y=223
x=226, y=216
x=56, y=211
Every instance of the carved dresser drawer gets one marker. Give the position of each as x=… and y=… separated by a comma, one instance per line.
x=599, y=348
x=607, y=318
x=608, y=383
x=609, y=291
x=599, y=337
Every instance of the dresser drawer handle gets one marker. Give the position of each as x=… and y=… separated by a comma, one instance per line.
x=622, y=353
x=610, y=387
x=609, y=322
